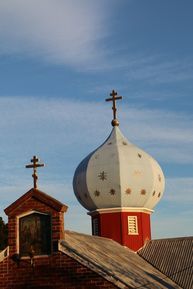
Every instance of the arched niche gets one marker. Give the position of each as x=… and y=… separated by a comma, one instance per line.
x=34, y=234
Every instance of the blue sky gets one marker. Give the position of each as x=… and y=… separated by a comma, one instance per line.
x=60, y=59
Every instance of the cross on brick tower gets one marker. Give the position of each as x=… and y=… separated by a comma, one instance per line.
x=115, y=121
x=34, y=165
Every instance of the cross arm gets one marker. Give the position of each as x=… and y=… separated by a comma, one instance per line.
x=110, y=99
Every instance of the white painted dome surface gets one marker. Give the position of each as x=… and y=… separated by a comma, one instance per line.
x=118, y=174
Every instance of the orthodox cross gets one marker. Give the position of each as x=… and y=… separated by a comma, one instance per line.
x=34, y=165
x=115, y=121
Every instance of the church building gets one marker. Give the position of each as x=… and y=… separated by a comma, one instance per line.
x=119, y=184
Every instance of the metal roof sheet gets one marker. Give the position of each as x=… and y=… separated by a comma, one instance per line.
x=173, y=257
x=116, y=263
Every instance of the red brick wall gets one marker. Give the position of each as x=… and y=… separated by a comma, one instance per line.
x=54, y=272
x=30, y=205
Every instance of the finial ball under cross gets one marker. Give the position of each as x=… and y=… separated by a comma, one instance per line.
x=115, y=121
x=34, y=165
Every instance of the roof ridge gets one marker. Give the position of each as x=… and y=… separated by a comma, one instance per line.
x=96, y=237
x=41, y=196
x=171, y=239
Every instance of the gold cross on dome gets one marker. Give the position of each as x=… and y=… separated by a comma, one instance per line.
x=34, y=165
x=114, y=97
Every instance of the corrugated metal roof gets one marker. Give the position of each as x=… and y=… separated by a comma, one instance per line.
x=173, y=257
x=117, y=264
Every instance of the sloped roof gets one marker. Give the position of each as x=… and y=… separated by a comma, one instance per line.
x=116, y=263
x=41, y=196
x=173, y=257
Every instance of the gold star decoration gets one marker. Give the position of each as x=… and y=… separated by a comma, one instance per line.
x=112, y=192
x=137, y=173
x=102, y=176
x=143, y=192
x=128, y=191
x=96, y=193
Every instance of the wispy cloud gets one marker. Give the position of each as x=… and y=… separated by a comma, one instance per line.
x=64, y=123
x=173, y=216
x=62, y=132
x=76, y=33
x=61, y=31
x=167, y=135
x=167, y=224
x=180, y=190
x=159, y=70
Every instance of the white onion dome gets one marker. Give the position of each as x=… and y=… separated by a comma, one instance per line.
x=118, y=174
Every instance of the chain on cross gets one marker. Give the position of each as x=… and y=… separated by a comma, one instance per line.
x=34, y=166
x=114, y=97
